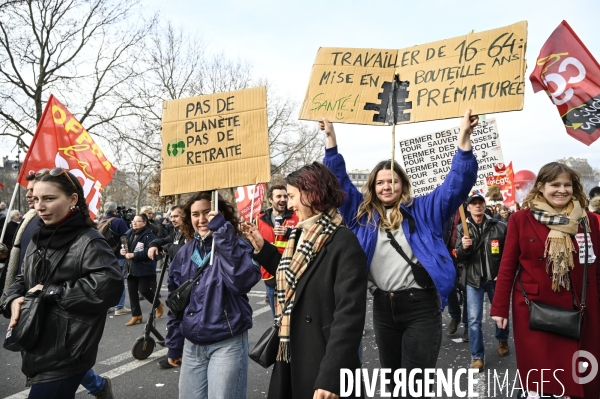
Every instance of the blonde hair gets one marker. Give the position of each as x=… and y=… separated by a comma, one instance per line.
x=372, y=204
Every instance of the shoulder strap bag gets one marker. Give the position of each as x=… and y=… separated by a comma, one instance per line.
x=265, y=350
x=554, y=319
x=179, y=299
x=32, y=316
x=419, y=273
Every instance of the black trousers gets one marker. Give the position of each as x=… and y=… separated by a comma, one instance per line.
x=408, y=330
x=146, y=286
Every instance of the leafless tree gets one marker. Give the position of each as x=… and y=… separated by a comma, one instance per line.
x=179, y=65
x=83, y=51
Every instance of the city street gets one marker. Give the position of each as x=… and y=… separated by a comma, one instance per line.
x=144, y=379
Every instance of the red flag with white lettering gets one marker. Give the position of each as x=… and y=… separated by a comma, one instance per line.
x=504, y=178
x=61, y=141
x=570, y=75
x=243, y=199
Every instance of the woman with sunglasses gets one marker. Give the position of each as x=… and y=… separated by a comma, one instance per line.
x=141, y=270
x=78, y=275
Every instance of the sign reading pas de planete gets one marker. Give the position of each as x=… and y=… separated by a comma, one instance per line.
x=215, y=141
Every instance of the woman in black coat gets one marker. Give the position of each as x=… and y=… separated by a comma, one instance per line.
x=70, y=264
x=141, y=269
x=324, y=315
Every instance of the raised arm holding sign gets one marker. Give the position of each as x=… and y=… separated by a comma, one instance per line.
x=401, y=235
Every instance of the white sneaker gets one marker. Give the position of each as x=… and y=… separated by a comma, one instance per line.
x=122, y=311
x=110, y=310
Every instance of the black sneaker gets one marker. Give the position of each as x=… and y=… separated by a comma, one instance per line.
x=107, y=392
x=164, y=363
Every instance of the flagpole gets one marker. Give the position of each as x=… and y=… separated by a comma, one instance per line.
x=252, y=204
x=12, y=201
x=215, y=208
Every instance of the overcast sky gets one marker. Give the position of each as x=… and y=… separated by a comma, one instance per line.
x=281, y=38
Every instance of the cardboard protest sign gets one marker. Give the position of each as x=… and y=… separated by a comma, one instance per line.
x=482, y=71
x=428, y=158
x=215, y=141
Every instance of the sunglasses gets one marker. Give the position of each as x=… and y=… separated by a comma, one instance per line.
x=55, y=173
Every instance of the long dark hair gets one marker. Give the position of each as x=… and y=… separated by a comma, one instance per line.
x=225, y=208
x=70, y=187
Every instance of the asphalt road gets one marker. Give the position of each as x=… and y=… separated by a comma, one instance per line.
x=144, y=379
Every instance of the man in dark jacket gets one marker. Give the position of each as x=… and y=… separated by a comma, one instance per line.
x=481, y=252
x=118, y=228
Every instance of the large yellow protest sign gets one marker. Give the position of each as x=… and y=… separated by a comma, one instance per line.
x=215, y=141
x=482, y=71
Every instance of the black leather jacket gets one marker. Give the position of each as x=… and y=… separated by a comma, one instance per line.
x=87, y=282
x=493, y=234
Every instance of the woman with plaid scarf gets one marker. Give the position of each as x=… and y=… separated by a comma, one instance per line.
x=321, y=283
x=546, y=239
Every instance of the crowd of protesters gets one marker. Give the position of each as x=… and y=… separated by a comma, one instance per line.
x=319, y=248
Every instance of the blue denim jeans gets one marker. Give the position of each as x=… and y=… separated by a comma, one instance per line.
x=217, y=371
x=123, y=272
x=61, y=389
x=93, y=383
x=475, y=315
x=271, y=296
x=408, y=329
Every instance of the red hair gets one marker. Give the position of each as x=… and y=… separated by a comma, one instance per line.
x=319, y=185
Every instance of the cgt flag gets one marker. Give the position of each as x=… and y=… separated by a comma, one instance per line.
x=570, y=75
x=244, y=199
x=61, y=141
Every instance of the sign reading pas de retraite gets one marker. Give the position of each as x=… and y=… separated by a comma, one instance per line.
x=215, y=141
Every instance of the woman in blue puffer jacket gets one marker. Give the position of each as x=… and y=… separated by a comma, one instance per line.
x=210, y=341
x=410, y=271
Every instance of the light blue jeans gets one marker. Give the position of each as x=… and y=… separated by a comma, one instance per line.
x=121, y=304
x=217, y=371
x=475, y=315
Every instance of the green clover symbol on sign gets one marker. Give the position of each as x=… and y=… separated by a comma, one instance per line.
x=176, y=148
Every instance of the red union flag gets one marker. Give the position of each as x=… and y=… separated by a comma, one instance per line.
x=505, y=180
x=570, y=75
x=243, y=199
x=61, y=141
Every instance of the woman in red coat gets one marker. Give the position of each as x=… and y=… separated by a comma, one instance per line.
x=543, y=240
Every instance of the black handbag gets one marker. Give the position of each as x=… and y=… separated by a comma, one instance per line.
x=420, y=275
x=32, y=316
x=179, y=299
x=554, y=319
x=30, y=326
x=265, y=350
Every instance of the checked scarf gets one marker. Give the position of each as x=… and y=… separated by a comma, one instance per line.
x=559, y=247
x=291, y=268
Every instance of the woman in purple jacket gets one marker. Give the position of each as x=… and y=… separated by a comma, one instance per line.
x=210, y=341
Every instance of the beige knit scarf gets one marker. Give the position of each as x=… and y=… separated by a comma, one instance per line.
x=559, y=247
